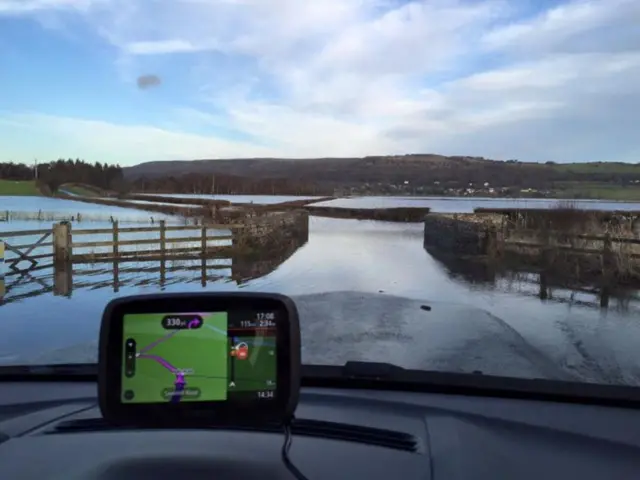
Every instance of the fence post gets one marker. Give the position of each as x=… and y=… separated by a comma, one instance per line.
x=546, y=261
x=607, y=271
x=163, y=238
x=2, y=289
x=115, y=239
x=607, y=251
x=203, y=260
x=62, y=243
x=163, y=246
x=63, y=279
x=204, y=240
x=116, y=254
x=543, y=291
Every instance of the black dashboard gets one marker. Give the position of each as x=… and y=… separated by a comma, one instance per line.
x=54, y=430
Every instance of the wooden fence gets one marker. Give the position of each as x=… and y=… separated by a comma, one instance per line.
x=506, y=272
x=64, y=243
x=560, y=241
x=204, y=251
x=60, y=248
x=607, y=260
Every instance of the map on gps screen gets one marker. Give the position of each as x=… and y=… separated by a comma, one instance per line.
x=182, y=357
x=175, y=357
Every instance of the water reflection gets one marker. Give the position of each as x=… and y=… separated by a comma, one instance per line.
x=341, y=255
x=468, y=204
x=506, y=277
x=20, y=284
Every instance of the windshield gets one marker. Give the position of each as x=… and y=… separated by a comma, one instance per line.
x=444, y=185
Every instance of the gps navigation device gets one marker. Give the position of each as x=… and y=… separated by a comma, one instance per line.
x=199, y=358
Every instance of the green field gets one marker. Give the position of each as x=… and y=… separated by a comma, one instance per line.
x=258, y=370
x=200, y=354
x=599, y=167
x=12, y=187
x=597, y=190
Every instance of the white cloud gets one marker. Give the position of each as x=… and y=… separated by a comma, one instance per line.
x=21, y=7
x=412, y=39
x=128, y=144
x=569, y=26
x=163, y=46
x=356, y=77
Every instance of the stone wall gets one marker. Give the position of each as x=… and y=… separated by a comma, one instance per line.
x=455, y=234
x=271, y=232
x=395, y=214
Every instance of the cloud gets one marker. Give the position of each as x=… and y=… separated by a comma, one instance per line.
x=163, y=46
x=573, y=27
x=23, y=7
x=128, y=144
x=357, y=77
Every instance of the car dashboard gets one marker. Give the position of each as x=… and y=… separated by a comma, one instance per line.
x=54, y=430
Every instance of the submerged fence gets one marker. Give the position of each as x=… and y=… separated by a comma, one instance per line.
x=62, y=245
x=247, y=250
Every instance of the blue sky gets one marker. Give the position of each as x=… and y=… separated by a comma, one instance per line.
x=535, y=80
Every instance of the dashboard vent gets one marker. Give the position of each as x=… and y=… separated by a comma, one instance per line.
x=304, y=427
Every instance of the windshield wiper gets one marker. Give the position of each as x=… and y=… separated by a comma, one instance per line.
x=379, y=370
x=375, y=370
x=386, y=376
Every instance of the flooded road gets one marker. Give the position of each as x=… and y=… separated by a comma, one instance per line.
x=360, y=286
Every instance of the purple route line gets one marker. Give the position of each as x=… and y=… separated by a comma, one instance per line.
x=157, y=342
x=161, y=361
x=180, y=382
x=192, y=324
x=176, y=397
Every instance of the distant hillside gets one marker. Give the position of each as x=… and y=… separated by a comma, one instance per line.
x=322, y=169
x=425, y=169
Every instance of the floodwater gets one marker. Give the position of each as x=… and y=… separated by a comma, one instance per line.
x=468, y=204
x=61, y=209
x=258, y=199
x=359, y=286
x=150, y=202
x=436, y=204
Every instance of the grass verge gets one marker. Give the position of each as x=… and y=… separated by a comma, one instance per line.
x=19, y=188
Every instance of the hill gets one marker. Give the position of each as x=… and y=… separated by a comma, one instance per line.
x=428, y=173
x=322, y=169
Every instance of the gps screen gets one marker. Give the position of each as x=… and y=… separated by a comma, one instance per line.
x=198, y=357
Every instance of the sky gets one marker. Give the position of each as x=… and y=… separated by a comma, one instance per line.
x=129, y=81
